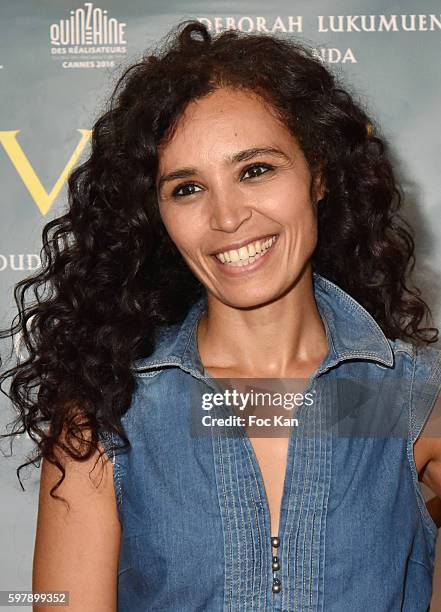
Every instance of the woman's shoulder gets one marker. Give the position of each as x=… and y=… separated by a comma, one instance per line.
x=164, y=351
x=174, y=345
x=424, y=366
x=426, y=359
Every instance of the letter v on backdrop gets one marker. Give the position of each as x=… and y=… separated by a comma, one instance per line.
x=18, y=157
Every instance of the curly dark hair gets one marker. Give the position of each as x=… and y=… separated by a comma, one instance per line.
x=110, y=273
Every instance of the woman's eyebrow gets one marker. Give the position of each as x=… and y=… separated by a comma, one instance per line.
x=244, y=155
x=250, y=153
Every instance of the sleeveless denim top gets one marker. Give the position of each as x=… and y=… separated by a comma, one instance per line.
x=355, y=534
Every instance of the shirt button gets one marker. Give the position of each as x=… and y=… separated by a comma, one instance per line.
x=277, y=585
x=276, y=564
x=275, y=541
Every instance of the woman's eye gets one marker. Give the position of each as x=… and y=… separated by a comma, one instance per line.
x=256, y=170
x=177, y=193
x=188, y=189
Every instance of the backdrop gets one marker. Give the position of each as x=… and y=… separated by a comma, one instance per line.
x=58, y=62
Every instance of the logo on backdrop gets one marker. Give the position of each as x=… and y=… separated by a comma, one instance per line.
x=278, y=25
x=88, y=38
x=19, y=262
x=254, y=23
x=26, y=172
x=379, y=23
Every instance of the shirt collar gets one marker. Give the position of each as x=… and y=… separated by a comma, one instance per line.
x=351, y=331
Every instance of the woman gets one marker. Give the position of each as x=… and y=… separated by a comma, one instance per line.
x=237, y=219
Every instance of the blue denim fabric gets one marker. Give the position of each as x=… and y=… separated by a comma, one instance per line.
x=354, y=529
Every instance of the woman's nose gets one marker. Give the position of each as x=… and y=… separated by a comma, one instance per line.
x=228, y=211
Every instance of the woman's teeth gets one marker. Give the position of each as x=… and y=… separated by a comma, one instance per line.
x=247, y=254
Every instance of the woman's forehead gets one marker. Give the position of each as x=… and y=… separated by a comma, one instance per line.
x=225, y=119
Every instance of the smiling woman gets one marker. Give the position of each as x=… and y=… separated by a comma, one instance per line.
x=252, y=183
x=237, y=222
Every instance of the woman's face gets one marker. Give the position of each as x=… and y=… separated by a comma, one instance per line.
x=232, y=173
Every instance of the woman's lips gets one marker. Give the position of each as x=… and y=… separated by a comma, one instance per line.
x=238, y=245
x=251, y=267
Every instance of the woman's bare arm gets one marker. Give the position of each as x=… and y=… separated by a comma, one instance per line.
x=77, y=550
x=434, y=508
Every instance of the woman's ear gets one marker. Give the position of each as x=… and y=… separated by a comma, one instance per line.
x=319, y=188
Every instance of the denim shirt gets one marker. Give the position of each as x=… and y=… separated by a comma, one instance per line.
x=355, y=533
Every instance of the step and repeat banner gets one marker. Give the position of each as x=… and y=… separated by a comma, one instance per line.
x=59, y=60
